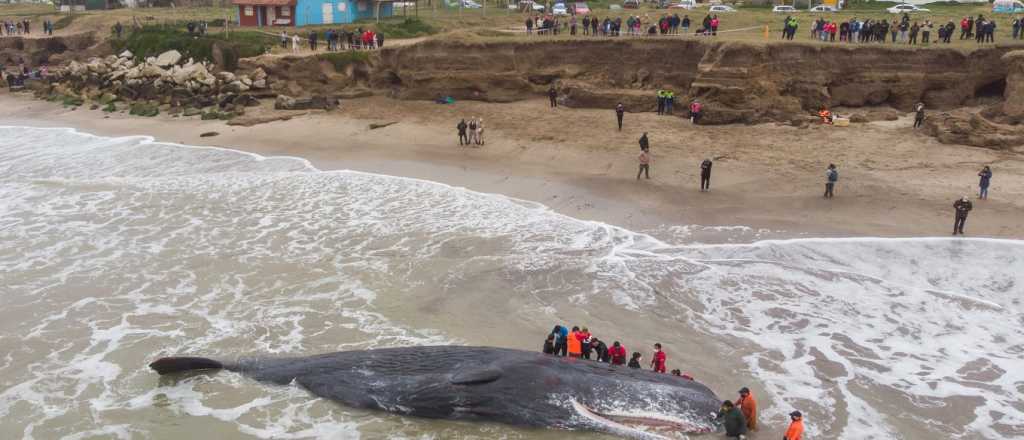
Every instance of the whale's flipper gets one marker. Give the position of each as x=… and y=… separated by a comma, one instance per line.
x=170, y=365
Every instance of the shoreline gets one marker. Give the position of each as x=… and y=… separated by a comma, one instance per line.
x=530, y=157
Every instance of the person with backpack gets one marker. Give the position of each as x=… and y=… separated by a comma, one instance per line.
x=831, y=177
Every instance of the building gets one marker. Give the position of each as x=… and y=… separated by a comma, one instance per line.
x=309, y=12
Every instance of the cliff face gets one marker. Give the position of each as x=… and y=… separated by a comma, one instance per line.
x=49, y=50
x=738, y=82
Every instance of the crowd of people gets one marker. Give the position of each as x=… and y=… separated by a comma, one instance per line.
x=738, y=417
x=904, y=30
x=335, y=40
x=633, y=25
x=12, y=28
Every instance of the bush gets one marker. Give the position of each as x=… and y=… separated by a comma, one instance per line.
x=110, y=108
x=404, y=28
x=340, y=60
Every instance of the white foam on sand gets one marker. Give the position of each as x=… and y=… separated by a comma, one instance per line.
x=118, y=250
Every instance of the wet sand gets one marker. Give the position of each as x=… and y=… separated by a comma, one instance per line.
x=893, y=181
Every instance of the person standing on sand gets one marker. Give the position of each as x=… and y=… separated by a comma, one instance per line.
x=284, y=40
x=962, y=207
x=553, y=96
x=472, y=131
x=705, y=175
x=986, y=177
x=918, y=114
x=645, y=164
x=620, y=110
x=463, y=139
x=796, y=427
x=695, y=111
x=645, y=144
x=480, y=131
x=831, y=177
x=295, y=43
x=748, y=406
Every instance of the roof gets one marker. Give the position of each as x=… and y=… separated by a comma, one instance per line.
x=264, y=2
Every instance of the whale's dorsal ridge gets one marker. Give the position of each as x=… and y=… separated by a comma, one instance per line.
x=475, y=375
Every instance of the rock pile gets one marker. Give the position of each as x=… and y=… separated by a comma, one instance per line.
x=165, y=81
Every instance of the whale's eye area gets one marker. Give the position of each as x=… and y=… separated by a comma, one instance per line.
x=641, y=424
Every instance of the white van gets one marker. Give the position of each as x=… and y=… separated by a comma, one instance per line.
x=1007, y=6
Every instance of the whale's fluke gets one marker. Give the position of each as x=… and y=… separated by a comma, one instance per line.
x=170, y=365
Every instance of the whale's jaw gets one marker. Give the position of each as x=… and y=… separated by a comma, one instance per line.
x=627, y=424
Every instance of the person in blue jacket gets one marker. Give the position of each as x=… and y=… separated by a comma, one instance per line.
x=986, y=177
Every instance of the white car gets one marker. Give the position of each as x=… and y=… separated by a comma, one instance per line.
x=684, y=4
x=721, y=8
x=559, y=9
x=824, y=8
x=899, y=9
x=785, y=9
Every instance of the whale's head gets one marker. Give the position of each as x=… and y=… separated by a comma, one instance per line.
x=549, y=391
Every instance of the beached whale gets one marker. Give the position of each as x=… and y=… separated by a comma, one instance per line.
x=489, y=384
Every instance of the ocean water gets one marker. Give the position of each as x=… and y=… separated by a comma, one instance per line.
x=117, y=251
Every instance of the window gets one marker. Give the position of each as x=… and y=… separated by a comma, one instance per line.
x=248, y=11
x=286, y=11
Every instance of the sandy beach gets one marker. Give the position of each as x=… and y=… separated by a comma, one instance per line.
x=893, y=181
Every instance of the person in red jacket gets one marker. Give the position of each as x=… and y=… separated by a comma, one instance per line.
x=617, y=353
x=796, y=428
x=658, y=360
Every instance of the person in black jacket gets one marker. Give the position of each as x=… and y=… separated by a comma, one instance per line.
x=549, y=344
x=645, y=144
x=600, y=350
x=705, y=175
x=553, y=96
x=463, y=139
x=962, y=207
x=620, y=110
x=635, y=361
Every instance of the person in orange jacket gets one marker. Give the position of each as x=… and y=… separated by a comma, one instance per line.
x=796, y=428
x=748, y=405
x=573, y=341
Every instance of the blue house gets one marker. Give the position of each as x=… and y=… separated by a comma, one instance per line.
x=309, y=12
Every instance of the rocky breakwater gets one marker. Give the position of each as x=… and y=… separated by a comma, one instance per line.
x=164, y=83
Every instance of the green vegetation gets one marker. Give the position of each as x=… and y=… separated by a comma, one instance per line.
x=340, y=60
x=222, y=49
x=110, y=108
x=72, y=101
x=144, y=109
x=409, y=27
x=63, y=22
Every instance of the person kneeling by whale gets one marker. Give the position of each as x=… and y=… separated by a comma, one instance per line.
x=733, y=421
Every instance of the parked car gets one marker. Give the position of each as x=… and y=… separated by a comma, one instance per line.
x=582, y=8
x=631, y=4
x=785, y=9
x=614, y=7
x=684, y=4
x=902, y=8
x=721, y=8
x=1008, y=6
x=559, y=9
x=824, y=8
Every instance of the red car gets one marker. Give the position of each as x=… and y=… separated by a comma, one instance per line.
x=581, y=8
